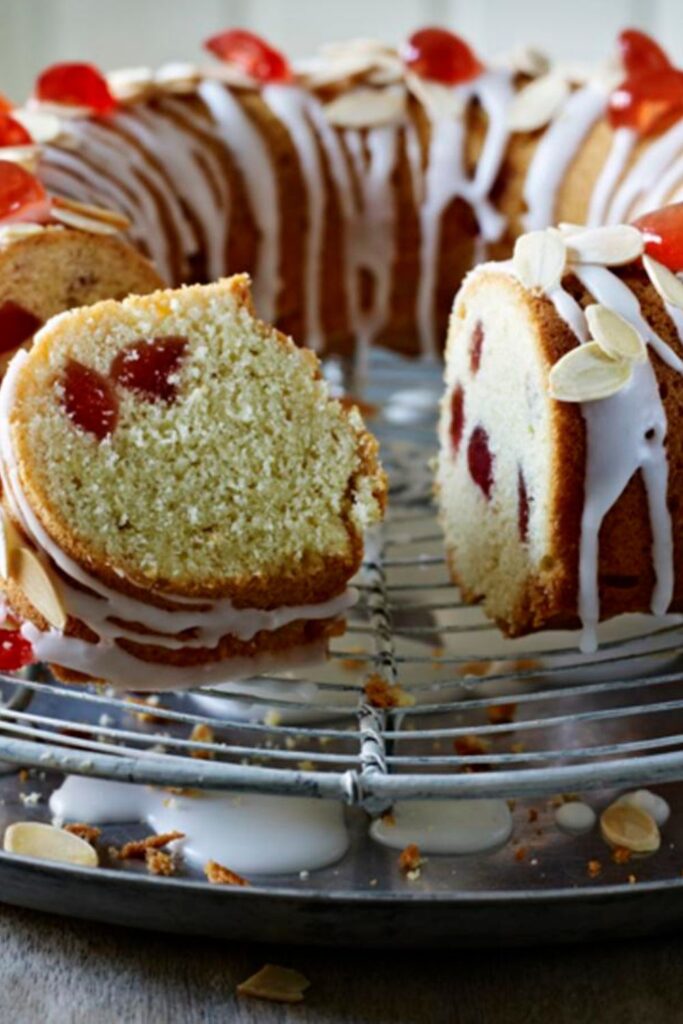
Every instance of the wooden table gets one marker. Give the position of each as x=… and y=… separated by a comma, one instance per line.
x=59, y=971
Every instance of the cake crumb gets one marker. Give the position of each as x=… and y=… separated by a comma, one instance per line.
x=149, y=702
x=501, y=714
x=632, y=879
x=533, y=815
x=520, y=853
x=276, y=984
x=88, y=832
x=620, y=855
x=159, y=863
x=593, y=868
x=23, y=775
x=388, y=818
x=381, y=694
x=137, y=849
x=410, y=861
x=218, y=874
x=202, y=733
x=472, y=746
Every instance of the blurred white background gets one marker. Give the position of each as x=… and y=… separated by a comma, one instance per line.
x=116, y=33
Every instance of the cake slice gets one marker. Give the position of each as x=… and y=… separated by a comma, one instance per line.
x=45, y=270
x=561, y=444
x=179, y=482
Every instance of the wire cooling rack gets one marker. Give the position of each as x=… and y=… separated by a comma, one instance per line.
x=478, y=715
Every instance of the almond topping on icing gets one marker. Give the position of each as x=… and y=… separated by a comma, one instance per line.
x=664, y=281
x=177, y=77
x=372, y=60
x=27, y=156
x=607, y=246
x=15, y=232
x=34, y=580
x=629, y=827
x=587, y=373
x=525, y=60
x=537, y=103
x=42, y=126
x=440, y=101
x=94, y=219
x=539, y=259
x=615, y=335
x=130, y=84
x=10, y=542
x=366, y=108
x=45, y=842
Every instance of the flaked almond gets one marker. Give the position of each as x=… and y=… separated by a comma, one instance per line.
x=587, y=374
x=664, y=281
x=537, y=103
x=525, y=60
x=113, y=217
x=539, y=259
x=615, y=335
x=45, y=842
x=10, y=543
x=377, y=65
x=15, y=232
x=26, y=156
x=42, y=125
x=34, y=580
x=610, y=246
x=130, y=84
x=177, y=77
x=440, y=101
x=277, y=984
x=626, y=826
x=367, y=108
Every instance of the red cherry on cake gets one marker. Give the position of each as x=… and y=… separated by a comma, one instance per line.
x=12, y=133
x=15, y=650
x=6, y=104
x=480, y=460
x=89, y=399
x=663, y=233
x=148, y=367
x=22, y=197
x=77, y=85
x=457, y=418
x=640, y=53
x=251, y=54
x=441, y=56
x=647, y=102
x=17, y=325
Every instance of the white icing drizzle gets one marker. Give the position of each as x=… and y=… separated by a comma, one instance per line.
x=290, y=104
x=622, y=146
x=248, y=149
x=251, y=833
x=555, y=152
x=210, y=619
x=445, y=179
x=633, y=195
x=446, y=826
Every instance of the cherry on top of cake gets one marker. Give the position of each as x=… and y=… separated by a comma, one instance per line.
x=650, y=98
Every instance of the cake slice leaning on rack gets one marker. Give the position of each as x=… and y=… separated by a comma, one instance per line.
x=561, y=443
x=183, y=501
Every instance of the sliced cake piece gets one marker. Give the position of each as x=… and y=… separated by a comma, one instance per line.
x=45, y=270
x=185, y=489
x=559, y=473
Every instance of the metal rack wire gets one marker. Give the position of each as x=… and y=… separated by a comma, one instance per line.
x=482, y=716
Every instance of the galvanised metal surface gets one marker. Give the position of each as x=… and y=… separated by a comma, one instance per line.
x=568, y=723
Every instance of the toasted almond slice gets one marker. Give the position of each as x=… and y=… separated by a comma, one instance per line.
x=608, y=246
x=587, y=374
x=666, y=284
x=278, y=984
x=27, y=156
x=60, y=110
x=537, y=103
x=539, y=259
x=367, y=108
x=15, y=232
x=525, y=60
x=178, y=77
x=45, y=842
x=34, y=580
x=630, y=827
x=130, y=84
x=113, y=217
x=615, y=335
x=440, y=101
x=10, y=542
x=42, y=125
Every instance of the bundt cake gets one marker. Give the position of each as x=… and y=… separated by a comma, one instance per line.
x=357, y=188
x=561, y=455
x=182, y=500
